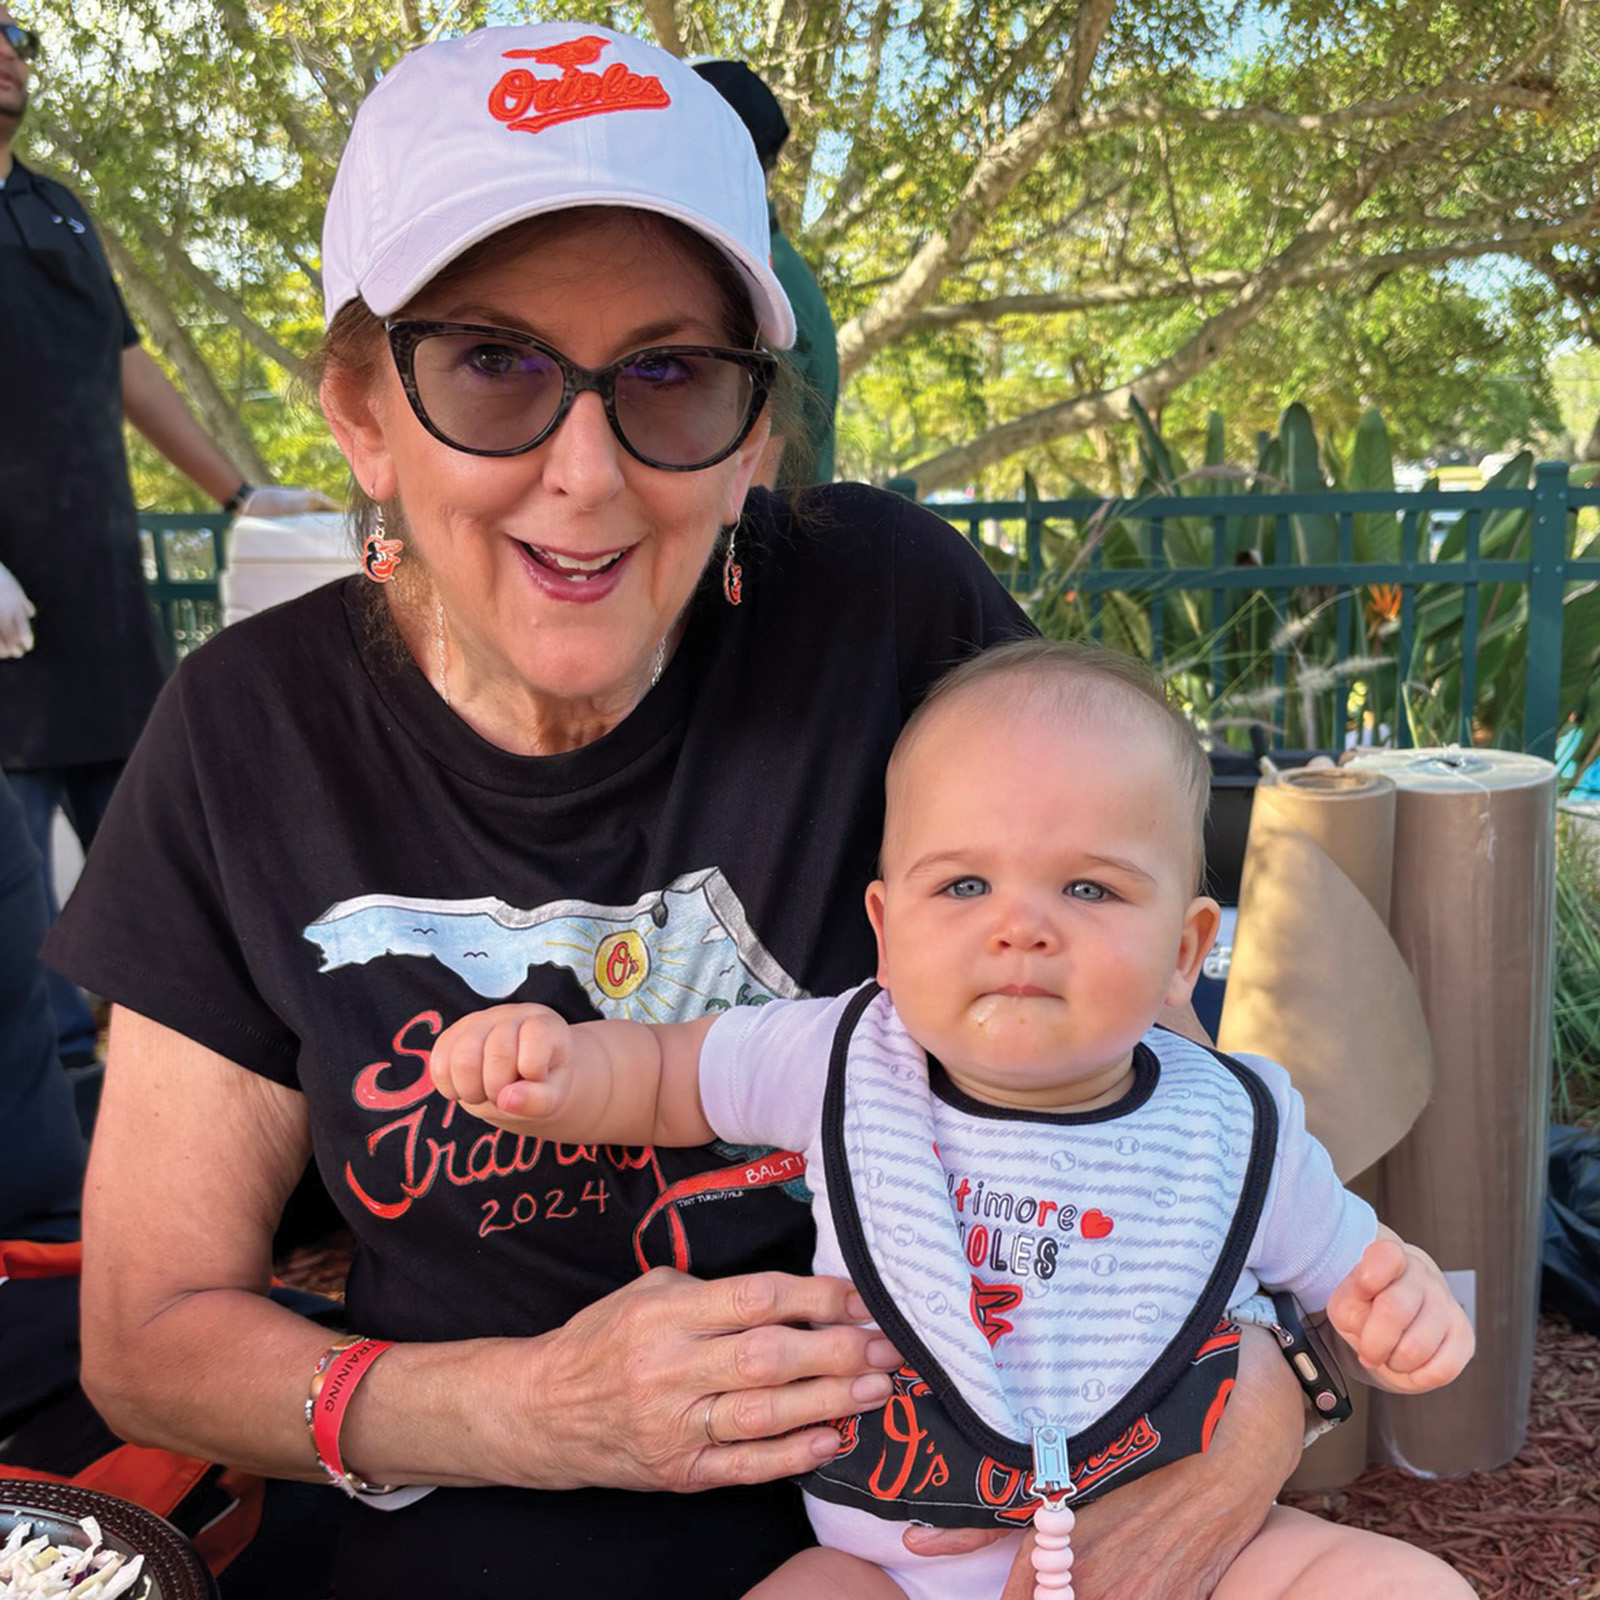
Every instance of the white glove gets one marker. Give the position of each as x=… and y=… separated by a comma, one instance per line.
x=279, y=500
x=16, y=633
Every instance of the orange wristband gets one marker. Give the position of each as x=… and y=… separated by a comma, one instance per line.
x=332, y=1384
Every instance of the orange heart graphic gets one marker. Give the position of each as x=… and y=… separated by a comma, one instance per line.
x=1095, y=1224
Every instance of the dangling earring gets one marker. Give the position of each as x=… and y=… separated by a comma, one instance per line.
x=732, y=572
x=380, y=556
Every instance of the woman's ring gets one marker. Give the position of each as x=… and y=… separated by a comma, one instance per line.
x=705, y=1422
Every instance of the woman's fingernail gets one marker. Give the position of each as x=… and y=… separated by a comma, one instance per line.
x=871, y=1386
x=824, y=1446
x=856, y=1308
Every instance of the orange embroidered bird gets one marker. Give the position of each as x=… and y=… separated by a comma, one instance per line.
x=569, y=55
x=988, y=1301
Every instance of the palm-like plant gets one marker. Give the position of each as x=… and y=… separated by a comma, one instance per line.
x=1311, y=662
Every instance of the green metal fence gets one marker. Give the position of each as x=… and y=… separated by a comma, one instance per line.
x=184, y=558
x=1542, y=563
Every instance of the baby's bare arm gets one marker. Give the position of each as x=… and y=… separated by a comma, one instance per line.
x=526, y=1068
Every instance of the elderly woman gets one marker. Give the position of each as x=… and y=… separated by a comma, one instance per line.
x=610, y=737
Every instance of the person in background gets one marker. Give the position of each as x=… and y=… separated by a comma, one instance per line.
x=608, y=733
x=81, y=659
x=42, y=1149
x=816, y=352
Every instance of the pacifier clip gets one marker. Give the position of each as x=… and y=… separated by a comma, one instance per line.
x=1052, y=1522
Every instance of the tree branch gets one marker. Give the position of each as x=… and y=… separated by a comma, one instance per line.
x=165, y=248
x=168, y=335
x=1152, y=113
x=841, y=204
x=176, y=260
x=995, y=175
x=663, y=19
x=1506, y=239
x=1214, y=335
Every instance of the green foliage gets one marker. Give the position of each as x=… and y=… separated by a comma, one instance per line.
x=1317, y=665
x=1576, y=1014
x=1205, y=143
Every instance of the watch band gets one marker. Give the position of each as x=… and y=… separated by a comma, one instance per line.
x=1309, y=1359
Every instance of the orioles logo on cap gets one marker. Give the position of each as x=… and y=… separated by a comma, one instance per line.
x=529, y=104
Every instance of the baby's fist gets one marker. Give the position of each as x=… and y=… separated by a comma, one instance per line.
x=1396, y=1312
x=487, y=1054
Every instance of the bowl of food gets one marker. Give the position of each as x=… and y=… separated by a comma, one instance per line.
x=57, y=1540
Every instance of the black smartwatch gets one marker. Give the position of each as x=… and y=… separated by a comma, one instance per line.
x=1311, y=1361
x=1309, y=1358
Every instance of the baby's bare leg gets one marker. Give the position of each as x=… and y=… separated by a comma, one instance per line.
x=821, y=1574
x=1300, y=1557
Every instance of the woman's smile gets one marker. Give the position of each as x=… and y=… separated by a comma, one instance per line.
x=576, y=579
x=581, y=568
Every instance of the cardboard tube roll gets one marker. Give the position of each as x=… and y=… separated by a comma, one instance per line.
x=1317, y=983
x=1349, y=814
x=1473, y=916
x=1315, y=980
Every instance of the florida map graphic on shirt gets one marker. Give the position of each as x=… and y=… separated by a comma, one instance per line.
x=671, y=955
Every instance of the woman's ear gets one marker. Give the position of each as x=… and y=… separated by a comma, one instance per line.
x=745, y=463
x=1200, y=924
x=349, y=402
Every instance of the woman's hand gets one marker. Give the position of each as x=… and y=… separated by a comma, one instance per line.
x=1171, y=1534
x=675, y=1383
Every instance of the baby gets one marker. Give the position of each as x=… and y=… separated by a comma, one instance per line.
x=1048, y=1203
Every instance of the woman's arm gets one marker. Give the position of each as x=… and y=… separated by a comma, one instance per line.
x=1171, y=1534
x=193, y=1158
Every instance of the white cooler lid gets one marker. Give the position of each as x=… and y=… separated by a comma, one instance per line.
x=312, y=536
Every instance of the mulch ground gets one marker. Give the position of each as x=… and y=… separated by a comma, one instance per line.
x=1529, y=1530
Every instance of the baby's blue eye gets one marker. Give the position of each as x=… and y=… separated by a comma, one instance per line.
x=1083, y=889
x=965, y=888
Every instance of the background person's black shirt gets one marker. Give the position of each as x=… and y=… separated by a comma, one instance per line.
x=68, y=531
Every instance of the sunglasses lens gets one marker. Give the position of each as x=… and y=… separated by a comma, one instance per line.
x=24, y=41
x=675, y=406
x=483, y=393
x=682, y=408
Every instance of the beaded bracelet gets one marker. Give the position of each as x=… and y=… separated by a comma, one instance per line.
x=333, y=1381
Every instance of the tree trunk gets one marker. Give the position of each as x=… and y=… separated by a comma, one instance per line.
x=167, y=334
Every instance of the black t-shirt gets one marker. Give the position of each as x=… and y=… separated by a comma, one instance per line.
x=68, y=532
x=311, y=866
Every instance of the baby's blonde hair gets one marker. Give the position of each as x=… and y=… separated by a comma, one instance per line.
x=1074, y=680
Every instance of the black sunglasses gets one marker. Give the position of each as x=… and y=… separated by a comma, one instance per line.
x=24, y=41
x=495, y=392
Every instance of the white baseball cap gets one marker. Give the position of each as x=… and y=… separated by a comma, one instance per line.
x=465, y=136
